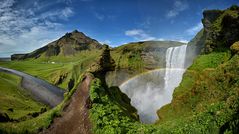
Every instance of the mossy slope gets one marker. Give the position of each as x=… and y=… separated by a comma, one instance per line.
x=207, y=99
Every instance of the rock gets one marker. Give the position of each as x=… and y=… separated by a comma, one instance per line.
x=71, y=84
x=18, y=56
x=10, y=109
x=4, y=117
x=235, y=48
x=104, y=64
x=60, y=78
x=221, y=28
x=209, y=16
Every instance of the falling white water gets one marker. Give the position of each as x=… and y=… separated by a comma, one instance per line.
x=150, y=91
x=175, y=59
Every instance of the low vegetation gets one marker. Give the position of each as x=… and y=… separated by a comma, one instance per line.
x=56, y=70
x=15, y=102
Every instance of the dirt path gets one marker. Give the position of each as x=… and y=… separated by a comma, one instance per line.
x=75, y=117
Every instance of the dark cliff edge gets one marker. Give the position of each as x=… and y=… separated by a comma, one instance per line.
x=222, y=28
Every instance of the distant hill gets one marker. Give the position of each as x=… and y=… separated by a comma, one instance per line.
x=69, y=44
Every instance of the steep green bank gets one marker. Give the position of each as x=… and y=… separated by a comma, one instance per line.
x=207, y=99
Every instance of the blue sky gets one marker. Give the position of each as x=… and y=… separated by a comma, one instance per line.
x=26, y=25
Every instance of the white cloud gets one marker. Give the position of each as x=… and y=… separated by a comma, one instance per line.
x=195, y=29
x=139, y=34
x=63, y=14
x=23, y=31
x=179, y=40
x=67, y=12
x=106, y=42
x=100, y=17
x=28, y=41
x=182, y=40
x=178, y=7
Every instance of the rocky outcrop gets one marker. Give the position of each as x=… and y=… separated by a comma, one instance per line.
x=69, y=44
x=221, y=27
x=235, y=48
x=104, y=64
x=209, y=16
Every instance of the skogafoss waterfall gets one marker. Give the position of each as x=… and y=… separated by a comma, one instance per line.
x=152, y=90
x=175, y=60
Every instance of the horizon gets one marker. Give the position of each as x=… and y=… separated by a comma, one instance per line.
x=28, y=25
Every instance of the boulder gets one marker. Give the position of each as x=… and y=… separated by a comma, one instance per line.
x=235, y=48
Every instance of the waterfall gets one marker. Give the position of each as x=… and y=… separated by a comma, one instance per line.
x=150, y=91
x=175, y=60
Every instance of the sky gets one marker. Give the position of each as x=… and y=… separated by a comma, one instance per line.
x=26, y=25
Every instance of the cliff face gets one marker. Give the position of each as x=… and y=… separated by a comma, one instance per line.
x=134, y=58
x=195, y=47
x=69, y=44
x=221, y=27
x=209, y=16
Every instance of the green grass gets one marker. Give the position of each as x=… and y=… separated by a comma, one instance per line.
x=14, y=97
x=211, y=60
x=207, y=96
x=34, y=125
x=70, y=67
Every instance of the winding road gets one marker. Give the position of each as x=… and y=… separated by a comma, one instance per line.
x=39, y=89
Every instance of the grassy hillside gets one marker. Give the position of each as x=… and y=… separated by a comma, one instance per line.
x=207, y=99
x=142, y=55
x=57, y=70
x=15, y=102
x=68, y=45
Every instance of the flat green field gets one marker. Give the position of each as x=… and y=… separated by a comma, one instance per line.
x=14, y=100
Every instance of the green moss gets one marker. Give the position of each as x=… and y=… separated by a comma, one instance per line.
x=211, y=60
x=109, y=113
x=223, y=31
x=235, y=47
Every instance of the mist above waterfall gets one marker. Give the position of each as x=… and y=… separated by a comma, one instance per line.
x=150, y=91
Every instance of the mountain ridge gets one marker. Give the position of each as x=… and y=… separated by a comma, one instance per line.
x=67, y=45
